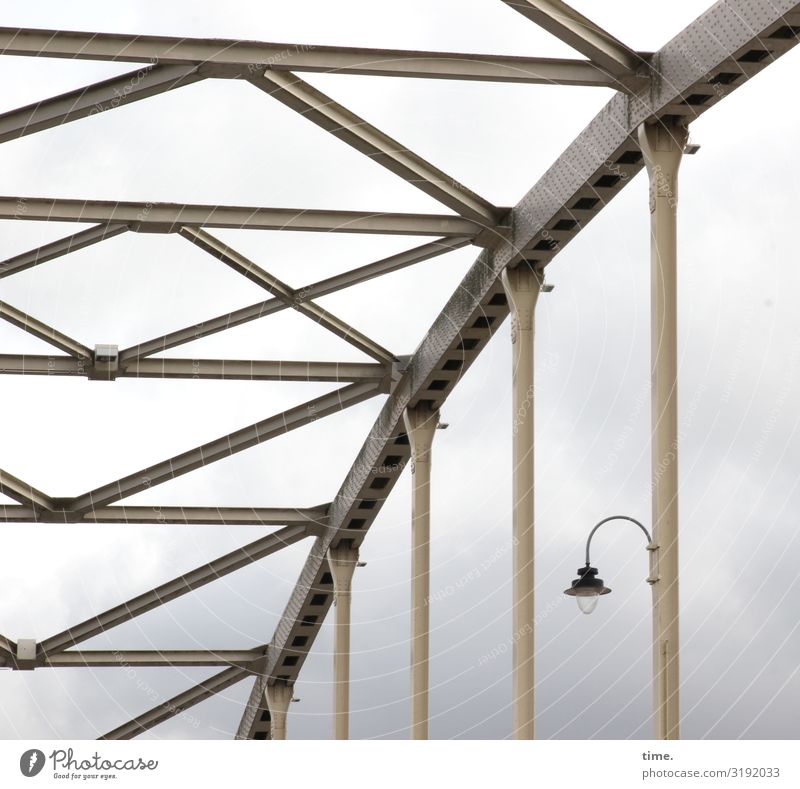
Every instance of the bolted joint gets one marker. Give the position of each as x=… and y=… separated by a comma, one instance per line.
x=342, y=562
x=25, y=659
x=61, y=513
x=654, y=577
x=522, y=286
x=105, y=363
x=258, y=666
x=421, y=423
x=278, y=698
x=493, y=237
x=662, y=147
x=394, y=373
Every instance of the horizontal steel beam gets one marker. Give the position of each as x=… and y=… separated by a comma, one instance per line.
x=44, y=332
x=18, y=513
x=223, y=447
x=687, y=62
x=322, y=110
x=316, y=290
x=250, y=56
x=38, y=364
x=170, y=217
x=256, y=370
x=201, y=369
x=580, y=33
x=24, y=493
x=313, y=517
x=95, y=98
x=173, y=589
x=291, y=298
x=220, y=516
x=55, y=249
x=178, y=704
x=125, y=658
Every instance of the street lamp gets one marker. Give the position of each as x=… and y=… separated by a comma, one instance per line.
x=587, y=587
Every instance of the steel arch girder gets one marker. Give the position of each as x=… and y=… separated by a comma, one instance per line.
x=686, y=64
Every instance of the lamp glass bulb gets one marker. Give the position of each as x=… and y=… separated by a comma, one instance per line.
x=587, y=603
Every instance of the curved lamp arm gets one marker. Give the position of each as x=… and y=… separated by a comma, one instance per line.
x=613, y=518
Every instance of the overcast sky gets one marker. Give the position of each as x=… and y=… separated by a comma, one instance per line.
x=223, y=142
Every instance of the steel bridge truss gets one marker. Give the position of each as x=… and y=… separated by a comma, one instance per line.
x=718, y=52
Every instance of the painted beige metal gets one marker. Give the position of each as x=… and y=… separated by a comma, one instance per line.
x=8, y=648
x=44, y=332
x=253, y=370
x=173, y=589
x=233, y=57
x=124, y=658
x=241, y=265
x=278, y=697
x=313, y=291
x=179, y=704
x=225, y=446
x=421, y=423
x=221, y=516
x=580, y=33
x=314, y=105
x=687, y=63
x=171, y=217
x=342, y=560
x=315, y=517
x=24, y=493
x=383, y=266
x=522, y=286
x=18, y=513
x=55, y=249
x=662, y=146
x=100, y=97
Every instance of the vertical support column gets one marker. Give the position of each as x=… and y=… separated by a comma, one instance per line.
x=662, y=147
x=522, y=286
x=421, y=422
x=278, y=697
x=342, y=562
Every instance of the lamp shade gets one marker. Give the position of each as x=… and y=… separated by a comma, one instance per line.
x=587, y=588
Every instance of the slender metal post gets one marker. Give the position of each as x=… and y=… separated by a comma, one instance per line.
x=522, y=286
x=342, y=561
x=278, y=697
x=662, y=146
x=421, y=423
